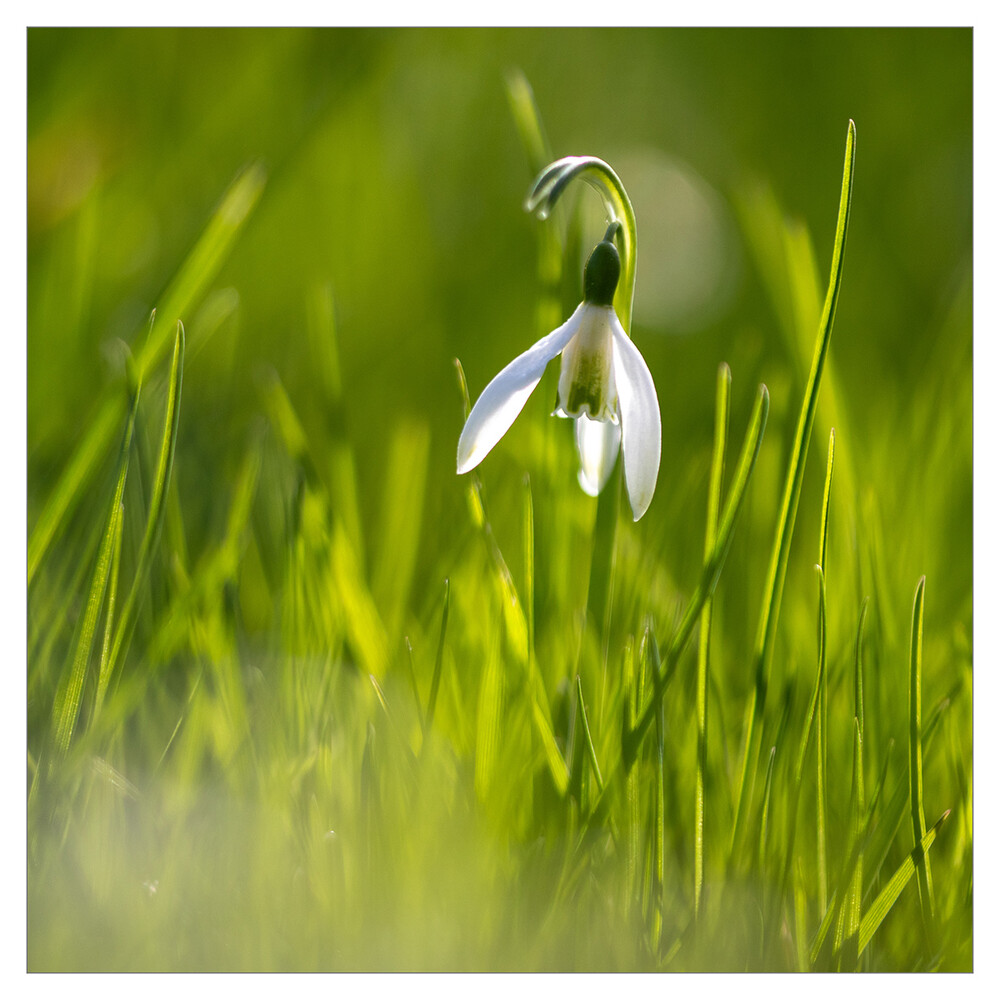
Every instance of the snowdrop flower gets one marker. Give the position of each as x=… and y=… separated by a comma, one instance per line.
x=604, y=385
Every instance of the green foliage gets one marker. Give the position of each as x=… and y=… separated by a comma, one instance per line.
x=300, y=698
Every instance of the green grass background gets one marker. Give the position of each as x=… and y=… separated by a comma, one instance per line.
x=245, y=797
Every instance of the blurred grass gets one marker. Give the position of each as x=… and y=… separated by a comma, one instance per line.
x=315, y=754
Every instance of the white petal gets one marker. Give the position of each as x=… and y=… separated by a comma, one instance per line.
x=505, y=396
x=640, y=418
x=597, y=441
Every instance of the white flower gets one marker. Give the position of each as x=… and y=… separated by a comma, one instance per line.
x=604, y=385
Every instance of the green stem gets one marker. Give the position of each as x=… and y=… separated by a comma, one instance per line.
x=723, y=383
x=552, y=182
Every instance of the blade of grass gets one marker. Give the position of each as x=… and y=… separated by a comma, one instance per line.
x=821, y=711
x=768, y=622
x=592, y=753
x=103, y=671
x=66, y=709
x=857, y=847
x=394, y=725
x=853, y=922
x=365, y=629
x=895, y=810
x=180, y=719
x=657, y=880
x=824, y=520
x=157, y=506
x=286, y=422
x=630, y=697
x=190, y=281
x=877, y=912
x=916, y=784
x=76, y=475
x=723, y=385
x=800, y=760
x=850, y=912
x=762, y=839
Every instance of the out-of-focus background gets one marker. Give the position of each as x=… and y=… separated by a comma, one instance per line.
x=395, y=179
x=396, y=175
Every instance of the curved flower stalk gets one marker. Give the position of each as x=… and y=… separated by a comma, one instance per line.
x=604, y=384
x=555, y=178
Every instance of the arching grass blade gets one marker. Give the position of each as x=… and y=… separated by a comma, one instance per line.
x=771, y=604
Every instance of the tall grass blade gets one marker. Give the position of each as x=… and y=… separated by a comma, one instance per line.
x=820, y=747
x=916, y=769
x=656, y=902
x=800, y=759
x=824, y=520
x=193, y=277
x=588, y=739
x=723, y=384
x=762, y=840
x=819, y=945
x=821, y=713
x=877, y=912
x=281, y=413
x=66, y=709
x=104, y=664
x=630, y=697
x=77, y=474
x=157, y=504
x=365, y=628
x=768, y=622
x=205, y=259
x=853, y=921
x=394, y=724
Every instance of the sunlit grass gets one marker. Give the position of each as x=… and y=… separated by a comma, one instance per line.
x=283, y=719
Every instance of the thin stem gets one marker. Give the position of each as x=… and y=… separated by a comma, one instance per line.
x=723, y=383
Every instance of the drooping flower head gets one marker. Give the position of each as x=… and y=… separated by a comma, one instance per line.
x=604, y=385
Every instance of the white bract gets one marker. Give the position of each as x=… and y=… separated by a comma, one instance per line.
x=604, y=385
